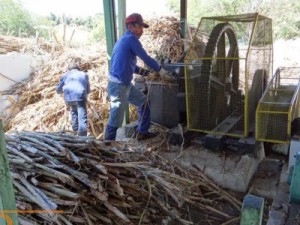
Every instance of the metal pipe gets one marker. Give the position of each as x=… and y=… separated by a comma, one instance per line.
x=121, y=17
x=110, y=26
x=183, y=13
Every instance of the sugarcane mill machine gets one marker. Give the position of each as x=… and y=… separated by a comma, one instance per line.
x=225, y=90
x=225, y=86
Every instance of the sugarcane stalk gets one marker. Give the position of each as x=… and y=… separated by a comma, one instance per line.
x=48, y=147
x=173, y=215
x=62, y=176
x=59, y=191
x=27, y=148
x=78, y=175
x=41, y=137
x=226, y=195
x=117, y=212
x=40, y=197
x=17, y=152
x=86, y=216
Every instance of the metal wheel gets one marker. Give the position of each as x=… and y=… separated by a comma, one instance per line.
x=220, y=72
x=257, y=89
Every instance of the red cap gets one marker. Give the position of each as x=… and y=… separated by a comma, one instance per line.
x=136, y=18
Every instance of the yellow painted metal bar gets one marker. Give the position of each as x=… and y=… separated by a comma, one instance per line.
x=273, y=141
x=289, y=122
x=272, y=112
x=290, y=112
x=246, y=119
x=217, y=133
x=211, y=58
x=256, y=125
x=234, y=135
x=186, y=76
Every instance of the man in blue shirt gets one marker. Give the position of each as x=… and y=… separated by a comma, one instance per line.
x=119, y=88
x=74, y=84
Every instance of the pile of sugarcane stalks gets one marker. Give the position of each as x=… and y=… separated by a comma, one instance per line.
x=162, y=39
x=38, y=108
x=93, y=183
x=12, y=44
x=25, y=45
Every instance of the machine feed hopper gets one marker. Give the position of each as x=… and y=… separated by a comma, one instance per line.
x=279, y=107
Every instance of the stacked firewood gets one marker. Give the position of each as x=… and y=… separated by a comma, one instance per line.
x=94, y=182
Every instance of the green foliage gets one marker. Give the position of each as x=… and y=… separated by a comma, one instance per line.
x=286, y=18
x=94, y=24
x=97, y=28
x=284, y=13
x=14, y=19
x=43, y=26
x=54, y=18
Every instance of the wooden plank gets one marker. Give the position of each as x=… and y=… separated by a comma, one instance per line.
x=7, y=196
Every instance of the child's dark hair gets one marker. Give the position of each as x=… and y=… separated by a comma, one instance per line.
x=73, y=66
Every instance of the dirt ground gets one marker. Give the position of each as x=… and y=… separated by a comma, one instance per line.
x=286, y=53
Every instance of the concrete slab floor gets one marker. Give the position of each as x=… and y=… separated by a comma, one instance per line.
x=227, y=169
x=266, y=179
x=294, y=215
x=282, y=212
x=239, y=172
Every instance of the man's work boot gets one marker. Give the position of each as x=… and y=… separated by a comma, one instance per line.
x=110, y=133
x=139, y=136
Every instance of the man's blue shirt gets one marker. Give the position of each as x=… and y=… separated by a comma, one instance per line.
x=123, y=60
x=75, y=86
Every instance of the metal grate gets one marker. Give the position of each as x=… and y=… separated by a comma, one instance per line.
x=227, y=57
x=279, y=106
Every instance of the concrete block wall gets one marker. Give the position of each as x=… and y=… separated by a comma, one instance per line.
x=14, y=67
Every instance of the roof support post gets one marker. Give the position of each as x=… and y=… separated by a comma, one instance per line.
x=111, y=31
x=183, y=13
x=110, y=26
x=121, y=30
x=121, y=17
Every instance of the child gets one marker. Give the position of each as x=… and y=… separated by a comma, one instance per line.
x=74, y=84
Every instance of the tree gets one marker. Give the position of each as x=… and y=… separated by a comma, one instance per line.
x=98, y=30
x=286, y=18
x=284, y=13
x=14, y=19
